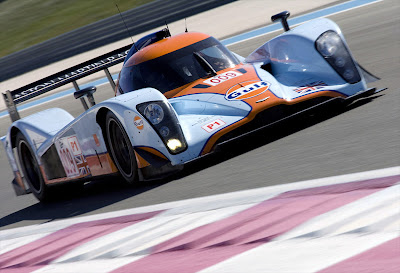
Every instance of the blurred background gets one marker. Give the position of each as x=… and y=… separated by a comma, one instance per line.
x=35, y=33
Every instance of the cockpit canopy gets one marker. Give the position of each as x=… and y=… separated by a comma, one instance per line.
x=177, y=68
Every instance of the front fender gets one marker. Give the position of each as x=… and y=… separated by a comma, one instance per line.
x=139, y=130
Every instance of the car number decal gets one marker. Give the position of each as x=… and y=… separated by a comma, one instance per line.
x=71, y=156
x=214, y=125
x=251, y=89
x=74, y=144
x=222, y=78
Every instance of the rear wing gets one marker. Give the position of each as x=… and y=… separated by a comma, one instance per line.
x=70, y=75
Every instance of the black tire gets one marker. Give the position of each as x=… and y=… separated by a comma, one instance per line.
x=30, y=168
x=121, y=150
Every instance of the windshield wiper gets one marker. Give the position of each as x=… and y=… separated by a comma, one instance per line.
x=205, y=65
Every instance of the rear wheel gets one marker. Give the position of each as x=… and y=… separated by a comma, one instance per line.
x=121, y=149
x=30, y=169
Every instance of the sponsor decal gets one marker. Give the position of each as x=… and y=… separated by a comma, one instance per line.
x=251, y=89
x=70, y=74
x=313, y=86
x=74, y=144
x=138, y=122
x=264, y=99
x=214, y=125
x=67, y=157
x=96, y=140
x=82, y=165
x=71, y=156
x=222, y=78
x=202, y=120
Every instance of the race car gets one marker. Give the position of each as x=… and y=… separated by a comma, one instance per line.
x=178, y=98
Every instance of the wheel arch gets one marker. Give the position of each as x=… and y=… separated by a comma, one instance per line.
x=101, y=118
x=13, y=136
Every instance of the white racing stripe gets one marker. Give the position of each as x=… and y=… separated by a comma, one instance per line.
x=203, y=203
x=301, y=255
x=326, y=239
x=139, y=239
x=7, y=245
x=333, y=236
x=348, y=218
x=91, y=266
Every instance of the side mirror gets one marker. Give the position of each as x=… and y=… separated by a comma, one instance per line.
x=86, y=92
x=283, y=17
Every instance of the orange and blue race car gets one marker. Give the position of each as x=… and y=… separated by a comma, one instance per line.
x=178, y=98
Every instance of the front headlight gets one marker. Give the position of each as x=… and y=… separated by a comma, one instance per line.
x=154, y=113
x=334, y=51
x=162, y=118
x=174, y=144
x=327, y=43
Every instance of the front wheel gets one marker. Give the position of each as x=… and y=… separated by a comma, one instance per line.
x=121, y=149
x=30, y=169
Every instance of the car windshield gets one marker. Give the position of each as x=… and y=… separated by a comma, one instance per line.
x=178, y=68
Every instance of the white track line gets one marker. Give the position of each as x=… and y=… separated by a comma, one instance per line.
x=204, y=203
x=326, y=239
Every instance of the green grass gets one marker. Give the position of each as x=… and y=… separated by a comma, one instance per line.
x=27, y=22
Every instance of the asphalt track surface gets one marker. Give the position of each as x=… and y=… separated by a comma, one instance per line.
x=364, y=137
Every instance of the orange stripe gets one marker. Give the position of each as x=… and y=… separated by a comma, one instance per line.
x=104, y=166
x=58, y=180
x=141, y=162
x=152, y=151
x=171, y=93
x=258, y=107
x=222, y=87
x=165, y=46
x=18, y=178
